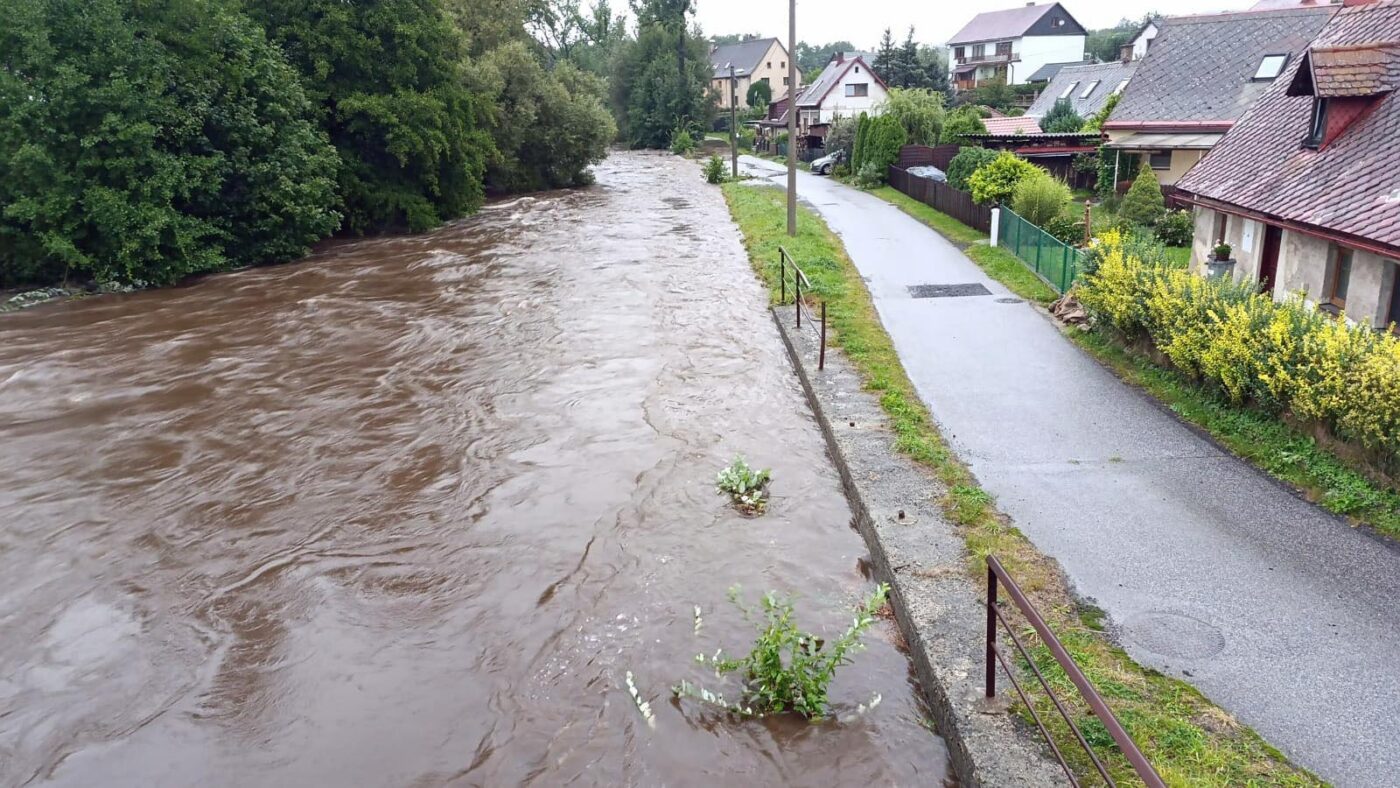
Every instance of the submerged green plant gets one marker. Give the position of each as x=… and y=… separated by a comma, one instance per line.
x=745, y=486
x=787, y=669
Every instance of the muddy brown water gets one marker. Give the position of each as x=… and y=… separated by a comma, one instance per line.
x=406, y=513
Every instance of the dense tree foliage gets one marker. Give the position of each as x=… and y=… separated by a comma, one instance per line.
x=919, y=111
x=760, y=95
x=143, y=142
x=389, y=78
x=661, y=78
x=1061, y=119
x=811, y=59
x=1105, y=45
x=910, y=65
x=960, y=122
x=968, y=161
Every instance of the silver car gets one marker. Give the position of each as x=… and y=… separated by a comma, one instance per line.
x=825, y=164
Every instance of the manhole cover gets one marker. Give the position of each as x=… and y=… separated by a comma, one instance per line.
x=1174, y=634
x=1010, y=301
x=947, y=291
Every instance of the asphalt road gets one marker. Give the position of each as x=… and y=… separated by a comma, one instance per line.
x=1278, y=611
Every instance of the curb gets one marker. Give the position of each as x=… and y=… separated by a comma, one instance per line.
x=940, y=610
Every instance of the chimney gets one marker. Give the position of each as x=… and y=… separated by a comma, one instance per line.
x=1126, y=52
x=840, y=57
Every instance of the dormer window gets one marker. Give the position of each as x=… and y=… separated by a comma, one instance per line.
x=1089, y=90
x=1270, y=67
x=1069, y=91
x=1121, y=87
x=1317, y=128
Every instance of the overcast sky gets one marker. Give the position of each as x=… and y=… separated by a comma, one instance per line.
x=935, y=21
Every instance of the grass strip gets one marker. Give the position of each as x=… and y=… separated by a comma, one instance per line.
x=1264, y=441
x=1188, y=739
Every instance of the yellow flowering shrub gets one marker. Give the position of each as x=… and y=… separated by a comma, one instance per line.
x=1278, y=356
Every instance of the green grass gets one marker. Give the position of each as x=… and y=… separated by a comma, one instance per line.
x=1259, y=438
x=1178, y=255
x=1189, y=740
x=999, y=264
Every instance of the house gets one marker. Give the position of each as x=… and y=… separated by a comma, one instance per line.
x=1199, y=76
x=1306, y=186
x=1013, y=44
x=1136, y=47
x=756, y=60
x=1047, y=72
x=1087, y=88
x=847, y=87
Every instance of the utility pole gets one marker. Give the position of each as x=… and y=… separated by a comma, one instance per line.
x=792, y=120
x=733, y=119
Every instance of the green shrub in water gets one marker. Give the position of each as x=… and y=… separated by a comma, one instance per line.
x=744, y=485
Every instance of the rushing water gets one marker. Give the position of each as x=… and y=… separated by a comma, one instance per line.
x=405, y=513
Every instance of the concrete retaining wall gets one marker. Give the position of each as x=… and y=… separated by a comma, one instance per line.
x=939, y=608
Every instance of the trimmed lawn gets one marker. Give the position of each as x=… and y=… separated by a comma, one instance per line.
x=1189, y=740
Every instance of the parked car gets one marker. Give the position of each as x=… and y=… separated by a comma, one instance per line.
x=825, y=164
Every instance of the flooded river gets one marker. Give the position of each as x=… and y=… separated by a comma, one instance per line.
x=407, y=512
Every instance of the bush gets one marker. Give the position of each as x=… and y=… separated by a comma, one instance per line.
x=1040, y=198
x=870, y=176
x=1065, y=228
x=787, y=669
x=1061, y=119
x=919, y=111
x=963, y=121
x=996, y=180
x=1281, y=356
x=1143, y=204
x=745, y=486
x=1176, y=228
x=714, y=170
x=877, y=145
x=965, y=163
x=682, y=143
x=841, y=136
x=144, y=142
x=861, y=139
x=841, y=171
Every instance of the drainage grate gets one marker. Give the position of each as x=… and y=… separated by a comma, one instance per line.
x=1010, y=301
x=947, y=291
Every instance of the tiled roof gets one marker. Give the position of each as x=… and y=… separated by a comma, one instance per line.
x=1048, y=71
x=1022, y=125
x=1108, y=76
x=1352, y=185
x=835, y=69
x=1009, y=23
x=1354, y=71
x=1201, y=68
x=745, y=55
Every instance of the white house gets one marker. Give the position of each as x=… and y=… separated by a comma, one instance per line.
x=846, y=88
x=1142, y=40
x=1013, y=44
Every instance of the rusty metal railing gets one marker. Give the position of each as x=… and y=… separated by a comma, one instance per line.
x=799, y=279
x=997, y=575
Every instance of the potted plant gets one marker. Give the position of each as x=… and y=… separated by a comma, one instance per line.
x=1219, y=264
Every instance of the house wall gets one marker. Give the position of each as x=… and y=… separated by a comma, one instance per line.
x=772, y=67
x=1302, y=266
x=838, y=103
x=1032, y=52
x=1144, y=38
x=720, y=87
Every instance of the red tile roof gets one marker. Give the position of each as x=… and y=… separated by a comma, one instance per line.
x=1023, y=124
x=1349, y=187
x=1355, y=71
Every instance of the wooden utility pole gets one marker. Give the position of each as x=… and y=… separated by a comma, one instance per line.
x=733, y=119
x=792, y=120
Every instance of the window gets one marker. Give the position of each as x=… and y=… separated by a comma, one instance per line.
x=1334, y=291
x=979, y=51
x=1222, y=226
x=764, y=80
x=1121, y=87
x=1004, y=49
x=1160, y=159
x=1317, y=129
x=959, y=53
x=1089, y=90
x=770, y=64
x=1069, y=90
x=782, y=64
x=1270, y=67
x=857, y=89
x=785, y=80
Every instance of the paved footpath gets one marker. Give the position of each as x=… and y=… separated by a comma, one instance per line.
x=1208, y=570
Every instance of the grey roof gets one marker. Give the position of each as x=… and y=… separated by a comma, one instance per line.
x=744, y=55
x=1200, y=68
x=1010, y=23
x=831, y=74
x=1108, y=76
x=1048, y=71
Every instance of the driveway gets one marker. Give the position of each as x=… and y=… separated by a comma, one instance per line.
x=1208, y=570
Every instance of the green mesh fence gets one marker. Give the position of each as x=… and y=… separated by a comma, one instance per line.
x=1051, y=259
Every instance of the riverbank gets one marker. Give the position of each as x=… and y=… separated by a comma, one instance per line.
x=1187, y=738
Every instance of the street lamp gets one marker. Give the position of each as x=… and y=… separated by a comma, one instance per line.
x=733, y=118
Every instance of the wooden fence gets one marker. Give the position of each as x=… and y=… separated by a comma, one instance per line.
x=924, y=156
x=943, y=198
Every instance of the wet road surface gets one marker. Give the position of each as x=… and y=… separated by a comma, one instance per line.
x=405, y=513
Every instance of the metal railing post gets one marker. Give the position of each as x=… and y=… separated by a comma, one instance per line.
x=821, y=357
x=782, y=276
x=991, y=632
x=797, y=296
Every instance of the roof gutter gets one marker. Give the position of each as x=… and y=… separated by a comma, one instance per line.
x=1312, y=230
x=1217, y=126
